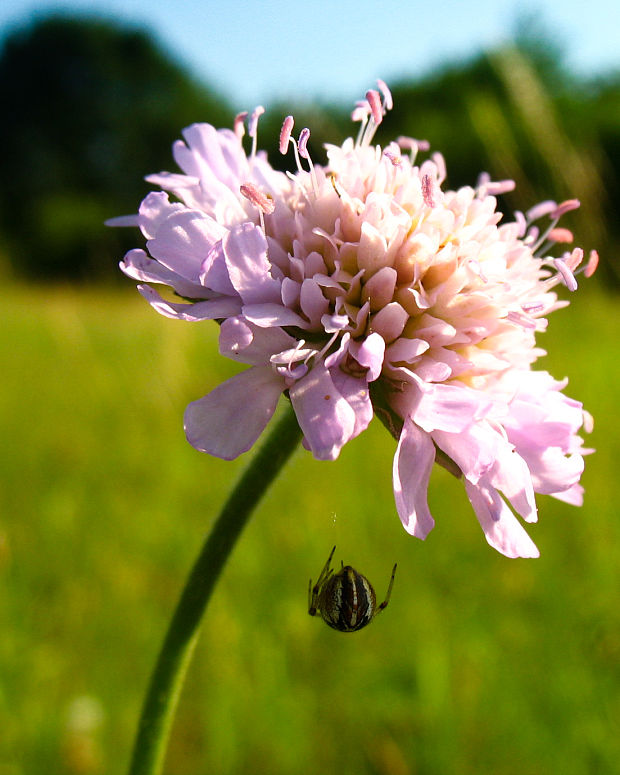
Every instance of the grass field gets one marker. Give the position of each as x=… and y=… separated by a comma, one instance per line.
x=480, y=664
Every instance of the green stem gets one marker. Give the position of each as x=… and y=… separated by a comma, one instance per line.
x=167, y=679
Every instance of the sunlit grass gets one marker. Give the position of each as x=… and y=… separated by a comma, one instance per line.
x=479, y=665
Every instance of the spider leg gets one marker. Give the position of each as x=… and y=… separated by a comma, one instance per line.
x=313, y=592
x=389, y=592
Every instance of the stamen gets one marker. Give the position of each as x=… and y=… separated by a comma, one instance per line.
x=394, y=157
x=592, y=264
x=532, y=307
x=388, y=102
x=239, y=123
x=285, y=134
x=376, y=108
x=412, y=145
x=303, y=142
x=253, y=127
x=488, y=187
x=263, y=202
x=440, y=163
x=303, y=152
x=573, y=259
x=568, y=278
x=361, y=111
x=427, y=190
x=253, y=194
x=565, y=207
x=560, y=235
x=543, y=208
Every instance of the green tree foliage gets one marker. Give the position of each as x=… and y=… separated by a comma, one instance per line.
x=89, y=107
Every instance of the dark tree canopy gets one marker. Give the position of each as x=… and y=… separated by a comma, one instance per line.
x=89, y=107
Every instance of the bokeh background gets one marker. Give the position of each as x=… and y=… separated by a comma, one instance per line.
x=480, y=664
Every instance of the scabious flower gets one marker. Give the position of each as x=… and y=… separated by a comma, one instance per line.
x=361, y=288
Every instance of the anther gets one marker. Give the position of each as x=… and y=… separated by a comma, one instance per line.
x=388, y=102
x=565, y=207
x=285, y=133
x=253, y=194
x=568, y=278
x=239, y=123
x=427, y=190
x=253, y=127
x=253, y=123
x=303, y=142
x=592, y=264
x=374, y=100
x=560, y=234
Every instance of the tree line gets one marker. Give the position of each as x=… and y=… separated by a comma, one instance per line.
x=91, y=106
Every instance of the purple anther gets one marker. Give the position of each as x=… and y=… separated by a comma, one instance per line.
x=568, y=278
x=303, y=142
x=285, y=133
x=532, y=307
x=592, y=264
x=257, y=198
x=565, y=207
x=374, y=100
x=387, y=94
x=521, y=223
x=497, y=187
x=393, y=156
x=239, y=123
x=543, y=208
x=253, y=123
x=411, y=144
x=427, y=190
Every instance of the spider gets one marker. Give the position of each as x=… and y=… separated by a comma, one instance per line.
x=345, y=600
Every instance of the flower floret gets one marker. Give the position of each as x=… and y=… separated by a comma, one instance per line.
x=362, y=287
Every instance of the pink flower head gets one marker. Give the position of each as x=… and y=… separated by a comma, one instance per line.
x=361, y=288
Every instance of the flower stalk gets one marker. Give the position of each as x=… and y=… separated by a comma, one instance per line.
x=183, y=631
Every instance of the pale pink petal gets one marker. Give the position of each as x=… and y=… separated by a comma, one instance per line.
x=265, y=315
x=214, y=272
x=229, y=419
x=324, y=415
x=451, y=408
x=249, y=269
x=501, y=528
x=211, y=309
x=405, y=350
x=247, y=343
x=573, y=495
x=412, y=467
x=138, y=265
x=356, y=394
x=512, y=477
x=390, y=321
x=369, y=353
x=474, y=449
x=182, y=241
x=312, y=302
x=154, y=209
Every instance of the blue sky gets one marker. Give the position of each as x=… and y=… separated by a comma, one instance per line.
x=262, y=51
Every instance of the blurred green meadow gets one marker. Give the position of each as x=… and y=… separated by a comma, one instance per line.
x=480, y=664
